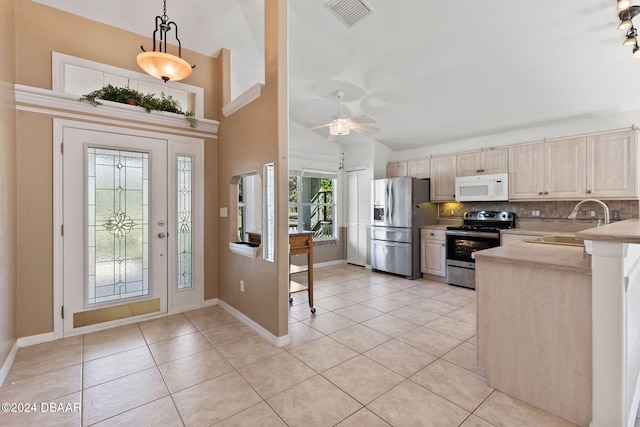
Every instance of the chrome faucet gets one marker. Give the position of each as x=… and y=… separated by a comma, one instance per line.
x=604, y=207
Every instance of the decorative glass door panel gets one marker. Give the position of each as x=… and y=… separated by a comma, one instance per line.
x=185, y=226
x=117, y=225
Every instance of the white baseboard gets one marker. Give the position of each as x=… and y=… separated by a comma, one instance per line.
x=210, y=302
x=274, y=340
x=327, y=264
x=37, y=339
x=8, y=362
x=635, y=401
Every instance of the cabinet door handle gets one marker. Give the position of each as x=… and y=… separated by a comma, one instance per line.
x=546, y=192
x=431, y=234
x=539, y=193
x=588, y=191
x=443, y=244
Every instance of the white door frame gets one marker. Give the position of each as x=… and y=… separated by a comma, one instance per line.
x=193, y=147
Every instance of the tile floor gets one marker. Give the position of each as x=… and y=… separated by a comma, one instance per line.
x=380, y=351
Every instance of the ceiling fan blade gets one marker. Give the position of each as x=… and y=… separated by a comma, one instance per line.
x=362, y=118
x=367, y=130
x=322, y=125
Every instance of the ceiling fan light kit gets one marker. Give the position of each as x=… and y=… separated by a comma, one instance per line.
x=159, y=63
x=339, y=127
x=341, y=124
x=626, y=13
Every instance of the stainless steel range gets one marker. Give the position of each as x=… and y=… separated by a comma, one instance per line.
x=480, y=230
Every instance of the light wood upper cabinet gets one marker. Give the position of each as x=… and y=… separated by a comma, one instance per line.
x=443, y=179
x=397, y=168
x=612, y=165
x=484, y=162
x=526, y=171
x=550, y=170
x=600, y=166
x=565, y=163
x=419, y=168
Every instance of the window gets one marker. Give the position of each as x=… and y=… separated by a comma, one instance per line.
x=312, y=204
x=79, y=76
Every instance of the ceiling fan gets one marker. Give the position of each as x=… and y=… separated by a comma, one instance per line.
x=342, y=124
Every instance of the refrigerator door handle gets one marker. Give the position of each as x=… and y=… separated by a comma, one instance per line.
x=390, y=203
x=386, y=210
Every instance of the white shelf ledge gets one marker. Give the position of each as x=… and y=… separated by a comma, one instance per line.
x=245, y=249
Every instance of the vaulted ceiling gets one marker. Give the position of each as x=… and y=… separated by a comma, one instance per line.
x=428, y=72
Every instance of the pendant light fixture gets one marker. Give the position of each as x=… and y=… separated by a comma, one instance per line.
x=631, y=39
x=159, y=63
x=626, y=13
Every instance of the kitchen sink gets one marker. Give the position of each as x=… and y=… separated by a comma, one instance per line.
x=558, y=239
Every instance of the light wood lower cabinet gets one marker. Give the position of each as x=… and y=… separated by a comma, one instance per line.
x=433, y=251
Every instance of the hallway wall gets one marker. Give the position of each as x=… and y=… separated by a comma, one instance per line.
x=8, y=279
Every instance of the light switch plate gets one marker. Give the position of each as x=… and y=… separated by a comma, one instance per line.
x=223, y=212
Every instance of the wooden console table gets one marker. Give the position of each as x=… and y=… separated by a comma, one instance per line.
x=301, y=244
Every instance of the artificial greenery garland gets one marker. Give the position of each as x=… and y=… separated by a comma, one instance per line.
x=149, y=102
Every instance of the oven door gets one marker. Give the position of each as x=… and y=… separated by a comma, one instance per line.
x=462, y=244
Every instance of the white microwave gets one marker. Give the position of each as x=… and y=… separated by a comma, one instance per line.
x=482, y=188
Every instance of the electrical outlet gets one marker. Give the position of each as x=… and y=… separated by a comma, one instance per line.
x=592, y=213
x=535, y=212
x=241, y=285
x=615, y=214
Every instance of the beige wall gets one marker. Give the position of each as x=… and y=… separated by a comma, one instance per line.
x=8, y=277
x=41, y=30
x=248, y=139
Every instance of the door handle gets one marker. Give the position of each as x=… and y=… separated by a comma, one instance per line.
x=162, y=235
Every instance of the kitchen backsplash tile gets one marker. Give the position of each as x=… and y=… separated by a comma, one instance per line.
x=551, y=213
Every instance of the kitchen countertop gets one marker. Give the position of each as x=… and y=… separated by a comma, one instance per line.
x=547, y=256
x=627, y=231
x=535, y=232
x=435, y=226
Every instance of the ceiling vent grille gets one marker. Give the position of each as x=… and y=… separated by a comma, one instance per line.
x=349, y=11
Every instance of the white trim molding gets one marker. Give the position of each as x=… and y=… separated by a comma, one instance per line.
x=246, y=98
x=273, y=340
x=34, y=99
x=8, y=362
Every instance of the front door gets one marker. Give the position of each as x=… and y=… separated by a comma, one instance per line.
x=115, y=232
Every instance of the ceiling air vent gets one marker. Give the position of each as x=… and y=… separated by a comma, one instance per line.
x=349, y=11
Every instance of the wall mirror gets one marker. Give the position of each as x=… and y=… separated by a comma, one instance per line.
x=249, y=216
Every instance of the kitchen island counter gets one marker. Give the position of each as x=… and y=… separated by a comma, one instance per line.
x=540, y=255
x=534, y=325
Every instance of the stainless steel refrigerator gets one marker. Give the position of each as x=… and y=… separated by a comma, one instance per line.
x=400, y=206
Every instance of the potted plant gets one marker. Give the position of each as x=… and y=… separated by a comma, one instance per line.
x=149, y=102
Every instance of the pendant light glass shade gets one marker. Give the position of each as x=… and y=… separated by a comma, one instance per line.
x=630, y=41
x=636, y=52
x=623, y=4
x=164, y=66
x=625, y=25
